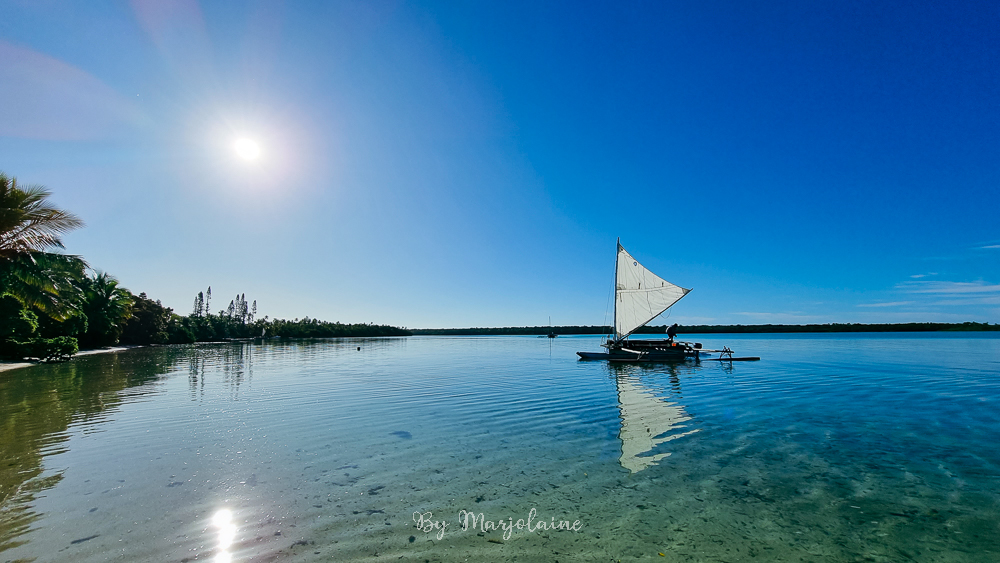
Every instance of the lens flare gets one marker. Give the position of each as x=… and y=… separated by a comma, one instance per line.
x=246, y=148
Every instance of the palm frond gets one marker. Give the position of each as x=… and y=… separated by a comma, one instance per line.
x=48, y=282
x=28, y=223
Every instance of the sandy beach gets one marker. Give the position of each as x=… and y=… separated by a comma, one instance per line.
x=7, y=366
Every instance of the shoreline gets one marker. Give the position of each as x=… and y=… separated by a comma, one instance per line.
x=8, y=366
x=714, y=329
x=952, y=328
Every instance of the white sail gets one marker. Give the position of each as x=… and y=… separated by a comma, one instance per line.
x=647, y=422
x=640, y=295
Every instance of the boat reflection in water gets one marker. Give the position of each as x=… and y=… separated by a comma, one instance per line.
x=647, y=420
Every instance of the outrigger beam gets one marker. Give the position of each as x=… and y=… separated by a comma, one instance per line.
x=726, y=355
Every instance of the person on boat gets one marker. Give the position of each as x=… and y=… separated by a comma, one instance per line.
x=671, y=333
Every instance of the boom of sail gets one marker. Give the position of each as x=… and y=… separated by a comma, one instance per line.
x=640, y=295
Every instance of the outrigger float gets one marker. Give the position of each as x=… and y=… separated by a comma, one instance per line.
x=640, y=296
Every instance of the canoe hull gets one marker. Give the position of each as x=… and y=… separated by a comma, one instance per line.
x=679, y=355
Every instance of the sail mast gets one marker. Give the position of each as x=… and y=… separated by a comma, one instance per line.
x=614, y=329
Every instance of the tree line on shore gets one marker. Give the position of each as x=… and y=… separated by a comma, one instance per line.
x=713, y=329
x=238, y=321
x=52, y=304
x=839, y=327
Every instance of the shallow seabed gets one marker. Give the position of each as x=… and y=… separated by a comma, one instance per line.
x=832, y=448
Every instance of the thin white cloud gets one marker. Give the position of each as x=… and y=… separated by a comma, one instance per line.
x=691, y=320
x=796, y=316
x=991, y=246
x=889, y=304
x=949, y=288
x=918, y=276
x=970, y=300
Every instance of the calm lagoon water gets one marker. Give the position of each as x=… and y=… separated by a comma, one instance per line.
x=832, y=448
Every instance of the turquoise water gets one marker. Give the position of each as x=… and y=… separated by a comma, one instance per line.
x=832, y=448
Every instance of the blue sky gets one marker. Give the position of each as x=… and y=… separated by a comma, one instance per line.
x=439, y=164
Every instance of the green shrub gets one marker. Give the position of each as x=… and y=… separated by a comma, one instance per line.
x=15, y=320
x=57, y=349
x=180, y=334
x=148, y=324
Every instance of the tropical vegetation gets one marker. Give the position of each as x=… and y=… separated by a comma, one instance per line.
x=239, y=321
x=39, y=290
x=28, y=223
x=51, y=303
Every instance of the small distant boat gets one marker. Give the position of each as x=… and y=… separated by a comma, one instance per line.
x=640, y=296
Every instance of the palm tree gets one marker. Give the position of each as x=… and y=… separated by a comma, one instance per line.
x=107, y=306
x=29, y=226
x=28, y=223
x=45, y=281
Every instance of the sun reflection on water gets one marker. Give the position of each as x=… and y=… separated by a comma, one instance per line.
x=223, y=520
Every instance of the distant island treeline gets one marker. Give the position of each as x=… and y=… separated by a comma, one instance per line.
x=714, y=329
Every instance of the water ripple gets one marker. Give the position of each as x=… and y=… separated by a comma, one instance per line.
x=834, y=447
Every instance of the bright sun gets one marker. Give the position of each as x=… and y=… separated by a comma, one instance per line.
x=246, y=148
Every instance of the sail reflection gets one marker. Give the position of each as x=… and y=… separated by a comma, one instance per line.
x=647, y=421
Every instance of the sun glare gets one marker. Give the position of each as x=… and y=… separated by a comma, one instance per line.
x=221, y=518
x=246, y=148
